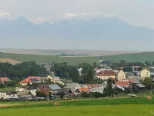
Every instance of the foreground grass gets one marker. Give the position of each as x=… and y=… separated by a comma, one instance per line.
x=89, y=107
x=97, y=110
x=83, y=102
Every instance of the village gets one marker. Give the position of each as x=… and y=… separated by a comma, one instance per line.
x=107, y=82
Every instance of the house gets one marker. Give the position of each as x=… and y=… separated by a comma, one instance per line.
x=66, y=91
x=32, y=89
x=144, y=73
x=61, y=83
x=2, y=95
x=4, y=79
x=84, y=90
x=83, y=86
x=44, y=88
x=21, y=91
x=121, y=75
x=99, y=90
x=138, y=87
x=30, y=80
x=136, y=68
x=73, y=86
x=104, y=63
x=54, y=87
x=98, y=70
x=43, y=79
x=106, y=74
x=49, y=77
x=80, y=71
x=124, y=83
x=47, y=67
x=93, y=85
x=11, y=96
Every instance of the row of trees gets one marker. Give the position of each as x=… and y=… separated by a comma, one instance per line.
x=67, y=71
x=22, y=70
x=123, y=63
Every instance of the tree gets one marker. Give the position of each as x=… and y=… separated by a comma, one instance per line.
x=90, y=75
x=74, y=74
x=147, y=63
x=109, y=91
x=11, y=83
x=85, y=67
x=122, y=61
x=61, y=69
x=147, y=82
x=153, y=63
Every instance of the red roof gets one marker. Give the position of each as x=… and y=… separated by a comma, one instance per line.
x=93, y=85
x=28, y=79
x=4, y=79
x=84, y=89
x=123, y=83
x=106, y=73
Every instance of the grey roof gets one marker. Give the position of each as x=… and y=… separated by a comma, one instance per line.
x=140, y=85
x=54, y=87
x=64, y=90
x=72, y=86
x=100, y=89
x=106, y=63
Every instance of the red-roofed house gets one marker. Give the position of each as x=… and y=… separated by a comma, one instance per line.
x=30, y=80
x=4, y=79
x=84, y=90
x=124, y=83
x=106, y=74
x=93, y=85
x=44, y=88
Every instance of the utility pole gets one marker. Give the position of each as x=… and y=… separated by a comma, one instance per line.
x=151, y=88
x=48, y=97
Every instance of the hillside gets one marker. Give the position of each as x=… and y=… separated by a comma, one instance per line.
x=8, y=60
x=141, y=57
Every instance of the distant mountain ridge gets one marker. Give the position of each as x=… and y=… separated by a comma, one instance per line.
x=97, y=33
x=96, y=28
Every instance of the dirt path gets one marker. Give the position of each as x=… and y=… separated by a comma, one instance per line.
x=7, y=105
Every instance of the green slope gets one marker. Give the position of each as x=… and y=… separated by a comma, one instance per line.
x=141, y=57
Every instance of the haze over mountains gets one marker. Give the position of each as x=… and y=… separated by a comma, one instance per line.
x=107, y=33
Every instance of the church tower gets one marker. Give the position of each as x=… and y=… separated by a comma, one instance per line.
x=100, y=60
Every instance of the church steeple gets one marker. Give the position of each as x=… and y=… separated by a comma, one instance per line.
x=100, y=59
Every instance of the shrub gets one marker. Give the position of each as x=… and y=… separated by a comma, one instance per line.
x=84, y=94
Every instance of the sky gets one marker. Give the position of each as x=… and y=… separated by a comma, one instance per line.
x=134, y=12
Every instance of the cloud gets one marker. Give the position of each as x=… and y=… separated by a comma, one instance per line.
x=4, y=14
x=38, y=19
x=84, y=15
x=69, y=15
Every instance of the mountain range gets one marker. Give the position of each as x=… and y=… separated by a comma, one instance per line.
x=104, y=29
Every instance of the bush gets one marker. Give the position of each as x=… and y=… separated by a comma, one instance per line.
x=2, y=85
x=95, y=94
x=11, y=83
x=84, y=94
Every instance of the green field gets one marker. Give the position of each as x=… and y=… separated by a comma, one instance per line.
x=108, y=110
x=93, y=107
x=141, y=57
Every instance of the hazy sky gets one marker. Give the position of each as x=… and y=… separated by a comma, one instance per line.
x=135, y=12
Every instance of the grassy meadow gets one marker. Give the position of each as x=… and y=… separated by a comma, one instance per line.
x=89, y=107
x=141, y=57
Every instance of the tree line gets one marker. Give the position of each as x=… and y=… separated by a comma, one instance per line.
x=20, y=71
